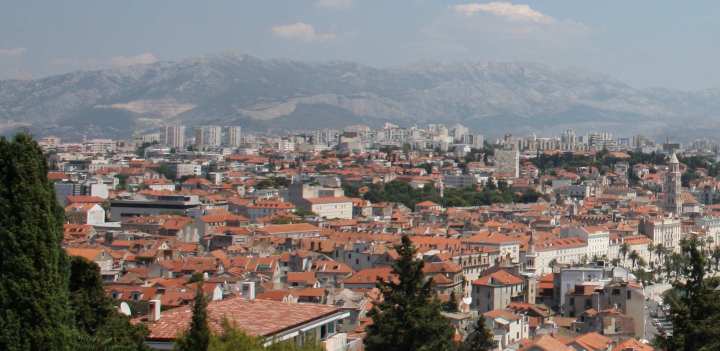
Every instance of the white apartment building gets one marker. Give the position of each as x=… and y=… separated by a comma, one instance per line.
x=597, y=238
x=507, y=327
x=663, y=230
x=330, y=207
x=562, y=250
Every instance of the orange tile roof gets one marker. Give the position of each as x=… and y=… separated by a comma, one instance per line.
x=84, y=199
x=370, y=275
x=328, y=200
x=255, y=317
x=593, y=341
x=287, y=228
x=307, y=278
x=632, y=344
x=505, y=314
x=88, y=253
x=546, y=343
x=501, y=277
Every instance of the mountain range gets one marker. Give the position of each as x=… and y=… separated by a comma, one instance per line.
x=259, y=94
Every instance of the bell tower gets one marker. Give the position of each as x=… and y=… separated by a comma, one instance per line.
x=673, y=187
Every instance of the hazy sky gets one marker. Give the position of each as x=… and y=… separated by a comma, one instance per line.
x=674, y=44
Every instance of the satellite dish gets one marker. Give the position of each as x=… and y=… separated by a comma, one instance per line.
x=125, y=309
x=467, y=300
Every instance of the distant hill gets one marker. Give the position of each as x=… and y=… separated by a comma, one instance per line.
x=282, y=94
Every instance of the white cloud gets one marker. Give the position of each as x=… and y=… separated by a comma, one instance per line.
x=474, y=34
x=301, y=31
x=334, y=4
x=11, y=52
x=514, y=12
x=142, y=59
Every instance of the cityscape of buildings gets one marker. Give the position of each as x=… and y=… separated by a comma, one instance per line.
x=556, y=251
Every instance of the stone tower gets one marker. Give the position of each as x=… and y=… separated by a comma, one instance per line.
x=673, y=187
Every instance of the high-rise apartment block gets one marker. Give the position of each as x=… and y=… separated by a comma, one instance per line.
x=208, y=136
x=175, y=136
x=234, y=136
x=507, y=162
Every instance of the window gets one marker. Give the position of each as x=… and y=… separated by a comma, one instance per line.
x=323, y=332
x=628, y=294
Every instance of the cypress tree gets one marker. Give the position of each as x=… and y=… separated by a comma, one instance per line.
x=408, y=318
x=34, y=309
x=197, y=338
x=102, y=326
x=87, y=298
x=479, y=339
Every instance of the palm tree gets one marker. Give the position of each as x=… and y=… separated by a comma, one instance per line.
x=641, y=262
x=634, y=256
x=615, y=262
x=667, y=265
x=677, y=263
x=651, y=249
x=660, y=251
x=624, y=248
x=716, y=257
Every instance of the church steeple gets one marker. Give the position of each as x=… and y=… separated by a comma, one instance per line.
x=530, y=254
x=673, y=187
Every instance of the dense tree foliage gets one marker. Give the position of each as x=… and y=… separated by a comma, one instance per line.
x=48, y=301
x=34, y=270
x=451, y=305
x=565, y=160
x=273, y=182
x=197, y=337
x=101, y=326
x=140, y=151
x=397, y=191
x=694, y=303
x=480, y=339
x=408, y=318
x=234, y=339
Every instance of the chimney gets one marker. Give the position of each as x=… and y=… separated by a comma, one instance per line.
x=155, y=310
x=248, y=290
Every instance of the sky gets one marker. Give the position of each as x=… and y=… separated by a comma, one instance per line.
x=645, y=43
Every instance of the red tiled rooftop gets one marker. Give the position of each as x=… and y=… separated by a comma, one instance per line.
x=500, y=277
x=255, y=317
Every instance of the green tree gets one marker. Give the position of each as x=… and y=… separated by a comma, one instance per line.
x=634, y=257
x=87, y=297
x=234, y=339
x=451, y=305
x=34, y=270
x=480, y=339
x=624, y=249
x=408, y=318
x=694, y=305
x=197, y=338
x=196, y=277
x=103, y=327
